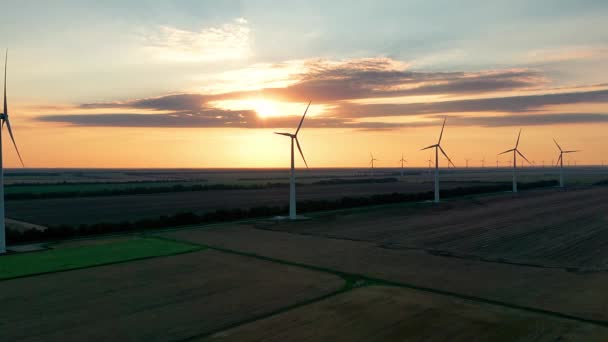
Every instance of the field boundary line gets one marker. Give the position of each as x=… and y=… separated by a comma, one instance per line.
x=349, y=285
x=380, y=281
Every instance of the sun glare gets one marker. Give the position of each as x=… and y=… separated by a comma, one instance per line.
x=265, y=108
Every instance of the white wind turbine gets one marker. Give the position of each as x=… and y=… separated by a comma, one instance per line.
x=402, y=160
x=292, y=178
x=515, y=153
x=437, y=149
x=560, y=161
x=5, y=121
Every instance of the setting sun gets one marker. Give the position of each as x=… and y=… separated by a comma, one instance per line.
x=265, y=108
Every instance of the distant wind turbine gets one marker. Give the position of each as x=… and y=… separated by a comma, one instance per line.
x=515, y=153
x=483, y=162
x=560, y=161
x=372, y=163
x=292, y=178
x=438, y=148
x=5, y=121
x=402, y=160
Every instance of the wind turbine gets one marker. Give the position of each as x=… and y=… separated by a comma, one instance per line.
x=438, y=148
x=515, y=153
x=402, y=160
x=372, y=163
x=292, y=178
x=560, y=161
x=467, y=163
x=483, y=162
x=5, y=121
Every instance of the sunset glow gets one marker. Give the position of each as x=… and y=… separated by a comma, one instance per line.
x=169, y=85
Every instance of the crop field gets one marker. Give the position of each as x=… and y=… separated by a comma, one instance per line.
x=381, y=313
x=548, y=228
x=131, y=207
x=66, y=256
x=412, y=271
x=90, y=187
x=159, y=299
x=529, y=266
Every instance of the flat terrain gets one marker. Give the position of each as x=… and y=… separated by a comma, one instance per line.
x=549, y=289
x=547, y=228
x=132, y=207
x=499, y=267
x=160, y=299
x=381, y=313
x=80, y=254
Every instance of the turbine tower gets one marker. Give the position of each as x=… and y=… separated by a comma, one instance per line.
x=438, y=148
x=372, y=159
x=483, y=162
x=515, y=153
x=402, y=160
x=292, y=178
x=5, y=121
x=560, y=161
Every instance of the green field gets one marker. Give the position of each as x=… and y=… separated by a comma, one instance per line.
x=74, y=255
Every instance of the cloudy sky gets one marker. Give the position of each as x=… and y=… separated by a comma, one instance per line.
x=205, y=83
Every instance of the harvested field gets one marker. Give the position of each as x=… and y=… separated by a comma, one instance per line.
x=547, y=228
x=395, y=314
x=555, y=290
x=132, y=207
x=158, y=299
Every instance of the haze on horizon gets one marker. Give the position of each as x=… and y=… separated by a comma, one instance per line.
x=205, y=83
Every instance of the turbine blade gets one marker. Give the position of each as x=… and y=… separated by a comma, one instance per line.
x=507, y=151
x=526, y=159
x=5, y=65
x=302, y=120
x=301, y=153
x=285, y=134
x=574, y=151
x=426, y=148
x=559, y=159
x=560, y=148
x=446, y=155
x=442, y=127
x=10, y=132
x=518, y=136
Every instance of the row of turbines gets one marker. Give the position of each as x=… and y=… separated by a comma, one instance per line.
x=404, y=161
x=515, y=150
x=4, y=117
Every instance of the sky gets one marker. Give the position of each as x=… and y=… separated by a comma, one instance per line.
x=189, y=84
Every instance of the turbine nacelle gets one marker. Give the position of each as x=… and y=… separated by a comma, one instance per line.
x=562, y=152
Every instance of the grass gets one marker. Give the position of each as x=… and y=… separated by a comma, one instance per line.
x=69, y=256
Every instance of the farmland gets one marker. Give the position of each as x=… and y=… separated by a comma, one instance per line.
x=496, y=266
x=395, y=314
x=124, y=207
x=155, y=299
